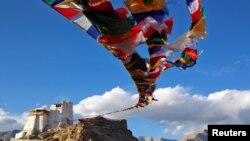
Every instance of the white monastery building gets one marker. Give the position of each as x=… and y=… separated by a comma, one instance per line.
x=41, y=119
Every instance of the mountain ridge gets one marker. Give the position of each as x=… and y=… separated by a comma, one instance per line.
x=5, y=136
x=99, y=129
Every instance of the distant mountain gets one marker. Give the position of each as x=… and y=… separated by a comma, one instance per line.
x=153, y=139
x=5, y=136
x=99, y=129
x=196, y=136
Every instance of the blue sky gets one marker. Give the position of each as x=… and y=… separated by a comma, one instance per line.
x=46, y=59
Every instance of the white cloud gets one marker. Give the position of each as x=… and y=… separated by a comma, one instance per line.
x=8, y=122
x=112, y=100
x=177, y=109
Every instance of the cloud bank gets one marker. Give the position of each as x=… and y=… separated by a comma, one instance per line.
x=8, y=122
x=179, y=110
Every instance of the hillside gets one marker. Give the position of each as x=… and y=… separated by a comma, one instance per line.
x=153, y=139
x=98, y=129
x=196, y=136
x=91, y=129
x=5, y=136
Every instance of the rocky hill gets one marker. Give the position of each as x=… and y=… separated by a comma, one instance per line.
x=98, y=129
x=5, y=136
x=196, y=136
x=153, y=139
x=91, y=129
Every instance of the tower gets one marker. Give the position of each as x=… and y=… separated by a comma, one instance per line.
x=40, y=119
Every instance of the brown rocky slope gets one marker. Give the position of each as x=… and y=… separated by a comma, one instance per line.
x=201, y=135
x=91, y=129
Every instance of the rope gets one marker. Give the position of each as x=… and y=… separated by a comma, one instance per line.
x=117, y=111
x=113, y=112
x=104, y=114
x=201, y=53
x=109, y=113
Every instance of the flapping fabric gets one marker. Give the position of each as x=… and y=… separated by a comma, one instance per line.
x=141, y=6
x=152, y=14
x=106, y=19
x=73, y=12
x=121, y=34
x=69, y=9
x=194, y=7
x=197, y=28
